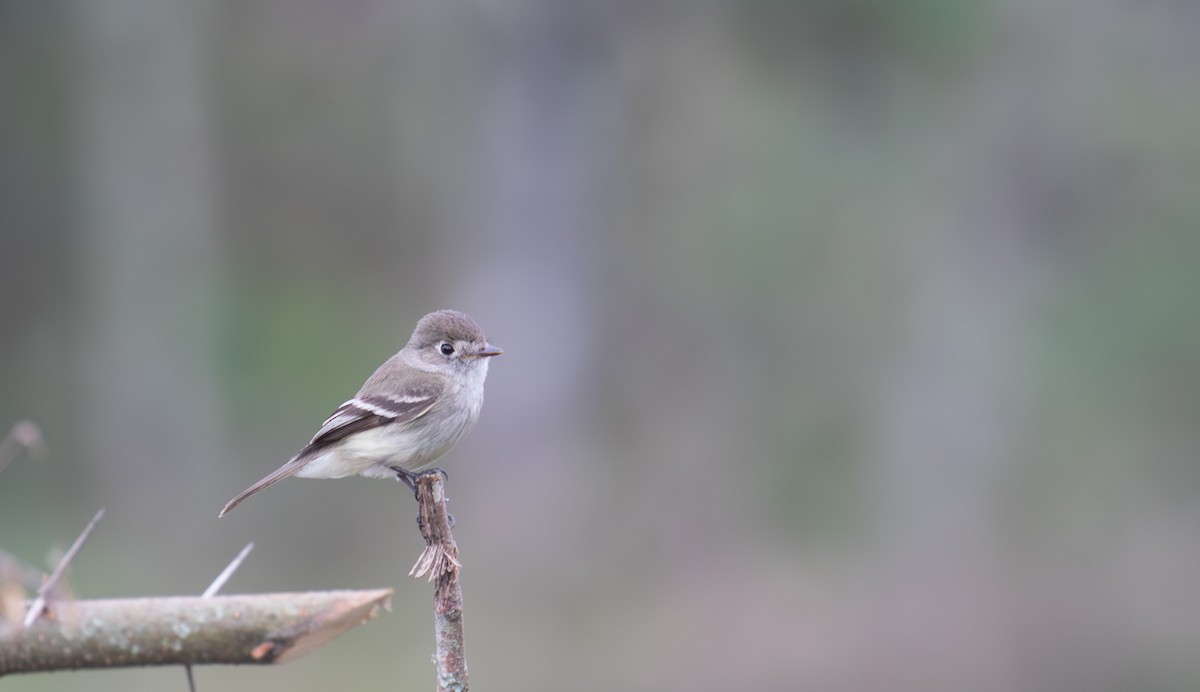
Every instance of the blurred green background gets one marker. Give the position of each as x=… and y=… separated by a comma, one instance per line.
x=851, y=344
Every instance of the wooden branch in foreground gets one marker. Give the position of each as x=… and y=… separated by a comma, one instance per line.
x=439, y=561
x=211, y=591
x=112, y=633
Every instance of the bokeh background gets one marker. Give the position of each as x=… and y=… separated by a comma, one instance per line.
x=851, y=344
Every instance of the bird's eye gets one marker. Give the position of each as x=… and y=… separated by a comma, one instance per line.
x=446, y=348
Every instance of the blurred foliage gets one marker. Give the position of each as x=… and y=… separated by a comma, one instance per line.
x=835, y=331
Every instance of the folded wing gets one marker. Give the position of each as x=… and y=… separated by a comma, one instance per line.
x=363, y=412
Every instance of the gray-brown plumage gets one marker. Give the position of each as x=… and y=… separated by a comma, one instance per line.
x=410, y=412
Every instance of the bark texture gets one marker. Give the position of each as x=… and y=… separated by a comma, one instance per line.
x=439, y=561
x=262, y=629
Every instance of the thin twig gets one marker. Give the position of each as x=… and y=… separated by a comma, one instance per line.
x=440, y=555
x=39, y=603
x=191, y=679
x=24, y=435
x=439, y=561
x=226, y=573
x=211, y=591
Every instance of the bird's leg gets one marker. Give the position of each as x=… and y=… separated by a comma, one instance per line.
x=409, y=478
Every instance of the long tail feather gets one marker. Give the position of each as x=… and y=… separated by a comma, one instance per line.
x=274, y=477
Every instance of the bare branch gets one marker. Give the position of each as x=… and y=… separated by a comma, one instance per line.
x=39, y=603
x=261, y=629
x=24, y=435
x=191, y=679
x=212, y=590
x=439, y=561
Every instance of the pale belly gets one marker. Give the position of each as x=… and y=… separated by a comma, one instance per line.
x=371, y=453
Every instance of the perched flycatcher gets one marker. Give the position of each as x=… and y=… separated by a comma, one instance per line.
x=415, y=407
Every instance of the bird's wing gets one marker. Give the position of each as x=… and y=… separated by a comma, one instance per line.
x=383, y=400
x=363, y=412
x=372, y=410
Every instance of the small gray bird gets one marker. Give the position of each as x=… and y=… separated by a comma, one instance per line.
x=411, y=411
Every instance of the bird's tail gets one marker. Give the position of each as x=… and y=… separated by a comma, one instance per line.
x=274, y=477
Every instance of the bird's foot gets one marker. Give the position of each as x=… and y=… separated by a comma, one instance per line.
x=406, y=477
x=410, y=479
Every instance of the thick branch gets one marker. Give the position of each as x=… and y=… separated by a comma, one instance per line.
x=211, y=591
x=440, y=562
x=262, y=628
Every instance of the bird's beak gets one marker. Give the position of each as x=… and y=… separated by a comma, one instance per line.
x=488, y=351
